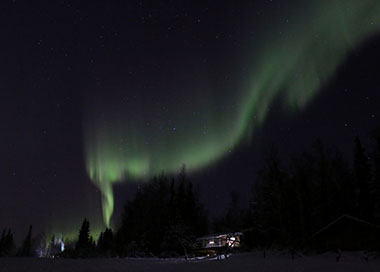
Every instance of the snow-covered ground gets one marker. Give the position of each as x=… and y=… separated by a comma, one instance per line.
x=238, y=262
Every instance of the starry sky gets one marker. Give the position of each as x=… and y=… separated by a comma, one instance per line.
x=99, y=96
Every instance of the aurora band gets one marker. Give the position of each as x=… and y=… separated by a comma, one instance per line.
x=293, y=61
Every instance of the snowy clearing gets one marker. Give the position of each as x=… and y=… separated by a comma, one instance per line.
x=238, y=262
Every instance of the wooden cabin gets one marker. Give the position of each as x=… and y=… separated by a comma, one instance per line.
x=212, y=244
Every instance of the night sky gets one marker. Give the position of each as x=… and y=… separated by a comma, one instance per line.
x=99, y=96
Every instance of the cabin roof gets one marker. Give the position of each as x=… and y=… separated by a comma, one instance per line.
x=342, y=217
x=219, y=235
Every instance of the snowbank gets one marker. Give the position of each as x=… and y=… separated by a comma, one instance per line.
x=254, y=261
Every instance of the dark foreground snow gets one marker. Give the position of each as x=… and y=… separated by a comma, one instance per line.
x=238, y=262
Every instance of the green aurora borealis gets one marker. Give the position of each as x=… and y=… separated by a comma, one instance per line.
x=292, y=60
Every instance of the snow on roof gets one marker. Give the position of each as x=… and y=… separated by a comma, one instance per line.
x=219, y=235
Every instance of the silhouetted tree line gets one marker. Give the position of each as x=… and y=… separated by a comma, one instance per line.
x=6, y=243
x=234, y=218
x=163, y=219
x=8, y=248
x=291, y=202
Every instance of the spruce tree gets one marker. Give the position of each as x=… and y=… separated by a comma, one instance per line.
x=84, y=243
x=362, y=175
x=8, y=243
x=2, y=240
x=26, y=248
x=376, y=176
x=106, y=242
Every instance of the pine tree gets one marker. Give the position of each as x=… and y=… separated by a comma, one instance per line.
x=159, y=212
x=362, y=175
x=2, y=240
x=180, y=201
x=171, y=204
x=84, y=243
x=376, y=176
x=26, y=248
x=84, y=235
x=8, y=243
x=106, y=242
x=233, y=218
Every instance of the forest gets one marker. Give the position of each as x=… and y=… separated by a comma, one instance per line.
x=290, y=201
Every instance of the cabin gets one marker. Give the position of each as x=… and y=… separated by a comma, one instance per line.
x=220, y=240
x=213, y=244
